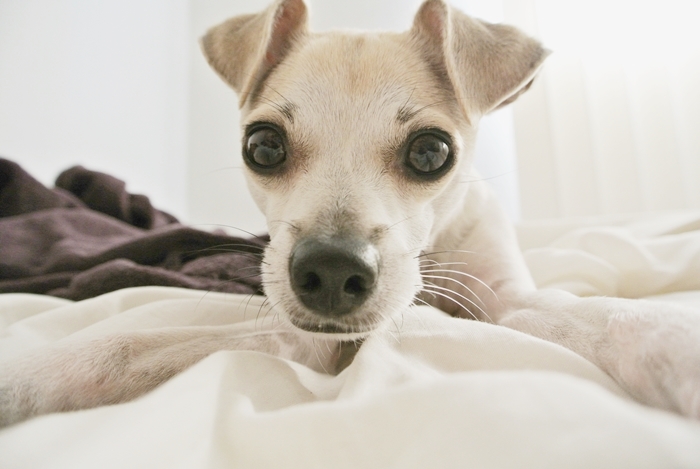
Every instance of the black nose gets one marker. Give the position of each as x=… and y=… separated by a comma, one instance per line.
x=333, y=276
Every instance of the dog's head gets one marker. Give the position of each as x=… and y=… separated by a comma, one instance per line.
x=357, y=147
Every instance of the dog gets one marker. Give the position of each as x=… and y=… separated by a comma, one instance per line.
x=358, y=148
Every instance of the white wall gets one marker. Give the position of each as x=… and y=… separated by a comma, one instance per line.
x=101, y=83
x=216, y=190
x=612, y=125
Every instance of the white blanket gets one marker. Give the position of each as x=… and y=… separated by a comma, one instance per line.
x=433, y=391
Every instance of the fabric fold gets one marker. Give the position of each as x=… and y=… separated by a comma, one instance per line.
x=89, y=236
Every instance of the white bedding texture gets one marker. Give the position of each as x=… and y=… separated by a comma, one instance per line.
x=429, y=391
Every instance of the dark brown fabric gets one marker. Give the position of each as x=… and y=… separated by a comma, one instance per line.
x=89, y=236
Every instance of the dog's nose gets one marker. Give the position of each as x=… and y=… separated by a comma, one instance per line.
x=333, y=276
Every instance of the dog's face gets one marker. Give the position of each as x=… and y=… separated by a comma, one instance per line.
x=372, y=151
x=358, y=149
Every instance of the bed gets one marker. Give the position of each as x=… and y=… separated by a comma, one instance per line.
x=429, y=391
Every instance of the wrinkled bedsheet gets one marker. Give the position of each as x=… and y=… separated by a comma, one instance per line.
x=429, y=391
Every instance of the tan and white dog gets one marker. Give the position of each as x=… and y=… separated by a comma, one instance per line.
x=358, y=149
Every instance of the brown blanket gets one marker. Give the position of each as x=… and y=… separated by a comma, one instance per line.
x=88, y=236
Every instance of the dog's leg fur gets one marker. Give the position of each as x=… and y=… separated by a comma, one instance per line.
x=649, y=348
x=77, y=374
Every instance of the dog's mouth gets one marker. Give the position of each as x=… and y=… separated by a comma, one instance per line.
x=327, y=327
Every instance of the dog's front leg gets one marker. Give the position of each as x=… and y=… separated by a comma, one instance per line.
x=651, y=349
x=79, y=374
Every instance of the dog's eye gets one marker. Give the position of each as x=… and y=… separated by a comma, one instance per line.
x=427, y=154
x=265, y=148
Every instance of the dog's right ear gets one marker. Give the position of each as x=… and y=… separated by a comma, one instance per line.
x=487, y=65
x=244, y=49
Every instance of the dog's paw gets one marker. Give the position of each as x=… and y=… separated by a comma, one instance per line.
x=657, y=355
x=8, y=409
x=17, y=401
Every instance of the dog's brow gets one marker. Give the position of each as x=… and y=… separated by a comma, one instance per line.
x=409, y=111
x=406, y=113
x=287, y=109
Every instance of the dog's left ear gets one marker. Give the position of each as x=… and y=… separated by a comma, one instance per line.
x=489, y=65
x=244, y=49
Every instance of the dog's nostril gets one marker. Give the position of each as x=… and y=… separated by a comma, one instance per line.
x=355, y=285
x=312, y=282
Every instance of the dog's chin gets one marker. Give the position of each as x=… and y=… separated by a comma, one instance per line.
x=331, y=330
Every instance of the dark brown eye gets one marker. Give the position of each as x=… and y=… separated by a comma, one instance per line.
x=265, y=148
x=427, y=154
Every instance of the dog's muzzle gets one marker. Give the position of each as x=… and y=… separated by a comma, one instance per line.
x=333, y=276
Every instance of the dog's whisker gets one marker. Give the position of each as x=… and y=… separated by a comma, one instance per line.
x=441, y=264
x=318, y=358
x=249, y=267
x=284, y=110
x=398, y=329
x=215, y=287
x=235, y=279
x=243, y=245
x=281, y=323
x=196, y=307
x=409, y=252
x=454, y=301
x=393, y=336
x=421, y=300
x=257, y=316
x=422, y=290
x=459, y=272
x=436, y=103
x=260, y=319
x=264, y=316
x=408, y=100
x=222, y=282
x=446, y=251
x=488, y=178
x=442, y=277
x=291, y=225
x=245, y=309
x=432, y=286
x=262, y=237
x=280, y=108
x=428, y=261
x=274, y=282
x=416, y=314
x=255, y=257
x=270, y=308
x=245, y=299
x=399, y=222
x=223, y=168
x=215, y=249
x=272, y=103
x=470, y=301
